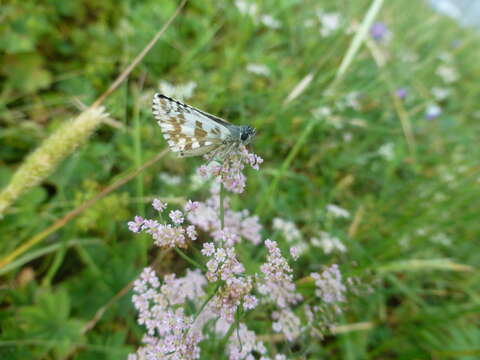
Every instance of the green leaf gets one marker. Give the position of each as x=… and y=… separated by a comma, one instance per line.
x=25, y=72
x=49, y=322
x=422, y=265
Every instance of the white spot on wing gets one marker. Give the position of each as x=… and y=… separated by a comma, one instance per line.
x=181, y=142
x=207, y=124
x=187, y=130
x=166, y=127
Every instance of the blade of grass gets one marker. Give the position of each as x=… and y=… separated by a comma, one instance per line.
x=346, y=62
x=397, y=103
x=137, y=150
x=35, y=254
x=268, y=195
x=422, y=265
x=119, y=80
x=359, y=38
x=138, y=159
x=57, y=261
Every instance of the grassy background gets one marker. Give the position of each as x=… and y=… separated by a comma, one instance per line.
x=413, y=210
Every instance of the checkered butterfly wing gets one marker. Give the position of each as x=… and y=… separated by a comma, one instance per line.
x=188, y=131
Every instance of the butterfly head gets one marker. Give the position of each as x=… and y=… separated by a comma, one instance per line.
x=247, y=133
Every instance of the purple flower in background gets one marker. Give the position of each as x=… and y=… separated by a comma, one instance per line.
x=379, y=31
x=401, y=93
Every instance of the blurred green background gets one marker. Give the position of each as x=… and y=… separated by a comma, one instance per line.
x=404, y=167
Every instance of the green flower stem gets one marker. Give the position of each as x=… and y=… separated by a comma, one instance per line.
x=238, y=317
x=189, y=259
x=222, y=206
x=207, y=300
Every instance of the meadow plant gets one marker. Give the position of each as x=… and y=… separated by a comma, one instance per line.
x=215, y=300
x=372, y=106
x=44, y=160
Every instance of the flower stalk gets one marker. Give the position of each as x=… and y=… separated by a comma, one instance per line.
x=222, y=206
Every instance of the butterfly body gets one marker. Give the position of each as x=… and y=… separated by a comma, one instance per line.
x=192, y=132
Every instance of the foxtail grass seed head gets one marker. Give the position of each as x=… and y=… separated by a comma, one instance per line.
x=46, y=158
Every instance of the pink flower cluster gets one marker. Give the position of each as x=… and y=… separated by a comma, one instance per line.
x=287, y=323
x=329, y=285
x=223, y=265
x=230, y=172
x=331, y=293
x=167, y=235
x=167, y=327
x=238, y=224
x=278, y=287
x=277, y=280
x=171, y=334
x=178, y=314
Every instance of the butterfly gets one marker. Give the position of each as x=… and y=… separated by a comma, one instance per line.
x=192, y=132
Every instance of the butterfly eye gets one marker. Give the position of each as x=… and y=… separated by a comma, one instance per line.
x=244, y=136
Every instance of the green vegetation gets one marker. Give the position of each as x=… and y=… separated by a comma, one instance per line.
x=410, y=183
